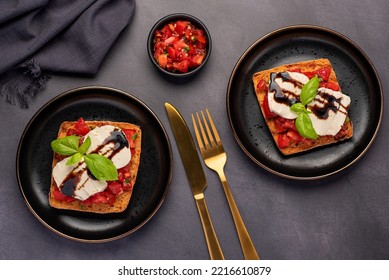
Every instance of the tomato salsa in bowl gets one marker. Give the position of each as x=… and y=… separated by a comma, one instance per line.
x=179, y=45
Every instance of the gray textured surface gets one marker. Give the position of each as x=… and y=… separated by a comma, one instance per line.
x=345, y=216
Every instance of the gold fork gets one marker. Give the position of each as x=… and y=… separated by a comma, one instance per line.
x=215, y=158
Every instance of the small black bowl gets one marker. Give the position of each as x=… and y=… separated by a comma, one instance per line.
x=175, y=76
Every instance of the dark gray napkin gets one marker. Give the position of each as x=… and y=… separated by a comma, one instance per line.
x=42, y=37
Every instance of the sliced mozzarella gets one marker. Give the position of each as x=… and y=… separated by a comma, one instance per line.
x=290, y=89
x=86, y=185
x=98, y=135
x=333, y=122
x=89, y=187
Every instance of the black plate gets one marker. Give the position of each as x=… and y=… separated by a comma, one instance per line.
x=34, y=158
x=357, y=78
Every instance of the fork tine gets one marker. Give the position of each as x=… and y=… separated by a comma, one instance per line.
x=214, y=130
x=210, y=136
x=198, y=137
x=207, y=145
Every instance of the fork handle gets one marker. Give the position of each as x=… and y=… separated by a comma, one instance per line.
x=214, y=248
x=246, y=243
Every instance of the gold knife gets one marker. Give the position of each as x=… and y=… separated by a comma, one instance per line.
x=195, y=174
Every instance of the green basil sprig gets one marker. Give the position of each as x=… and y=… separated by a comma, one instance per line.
x=303, y=122
x=309, y=90
x=101, y=167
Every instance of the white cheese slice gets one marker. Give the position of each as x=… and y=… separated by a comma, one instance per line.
x=98, y=136
x=86, y=185
x=290, y=90
x=332, y=124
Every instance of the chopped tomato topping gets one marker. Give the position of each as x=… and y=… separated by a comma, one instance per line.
x=81, y=127
x=131, y=136
x=294, y=136
x=324, y=73
x=103, y=197
x=115, y=187
x=330, y=85
x=180, y=46
x=310, y=75
x=283, y=124
x=162, y=60
x=182, y=66
x=262, y=85
x=268, y=114
x=58, y=195
x=283, y=140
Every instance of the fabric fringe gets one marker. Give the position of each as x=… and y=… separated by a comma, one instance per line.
x=23, y=83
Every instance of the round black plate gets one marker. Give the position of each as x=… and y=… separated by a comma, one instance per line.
x=357, y=78
x=34, y=159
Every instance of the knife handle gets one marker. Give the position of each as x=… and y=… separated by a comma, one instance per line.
x=247, y=245
x=214, y=248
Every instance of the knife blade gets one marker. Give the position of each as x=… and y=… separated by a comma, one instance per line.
x=196, y=178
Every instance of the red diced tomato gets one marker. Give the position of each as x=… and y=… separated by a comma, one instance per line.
x=177, y=42
x=268, y=114
x=310, y=75
x=170, y=40
x=130, y=136
x=294, y=136
x=115, y=187
x=188, y=34
x=279, y=126
x=283, y=141
x=103, y=197
x=262, y=85
x=201, y=39
x=171, y=52
x=98, y=198
x=324, y=73
x=197, y=60
x=166, y=32
x=58, y=195
x=86, y=202
x=181, y=66
x=81, y=127
x=330, y=85
x=71, y=132
x=180, y=26
x=289, y=124
x=162, y=60
x=110, y=198
x=127, y=185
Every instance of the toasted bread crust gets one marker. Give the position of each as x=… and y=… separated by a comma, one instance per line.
x=123, y=199
x=305, y=66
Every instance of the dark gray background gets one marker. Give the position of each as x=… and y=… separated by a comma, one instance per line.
x=345, y=216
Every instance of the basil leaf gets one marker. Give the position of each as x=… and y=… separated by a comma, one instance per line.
x=298, y=108
x=85, y=146
x=101, y=167
x=304, y=126
x=65, y=146
x=74, y=159
x=309, y=90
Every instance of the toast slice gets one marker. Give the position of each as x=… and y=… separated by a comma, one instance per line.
x=284, y=132
x=122, y=199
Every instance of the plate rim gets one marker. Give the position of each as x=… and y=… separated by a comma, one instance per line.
x=55, y=99
x=312, y=28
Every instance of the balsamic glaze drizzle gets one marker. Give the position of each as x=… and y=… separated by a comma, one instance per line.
x=328, y=102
